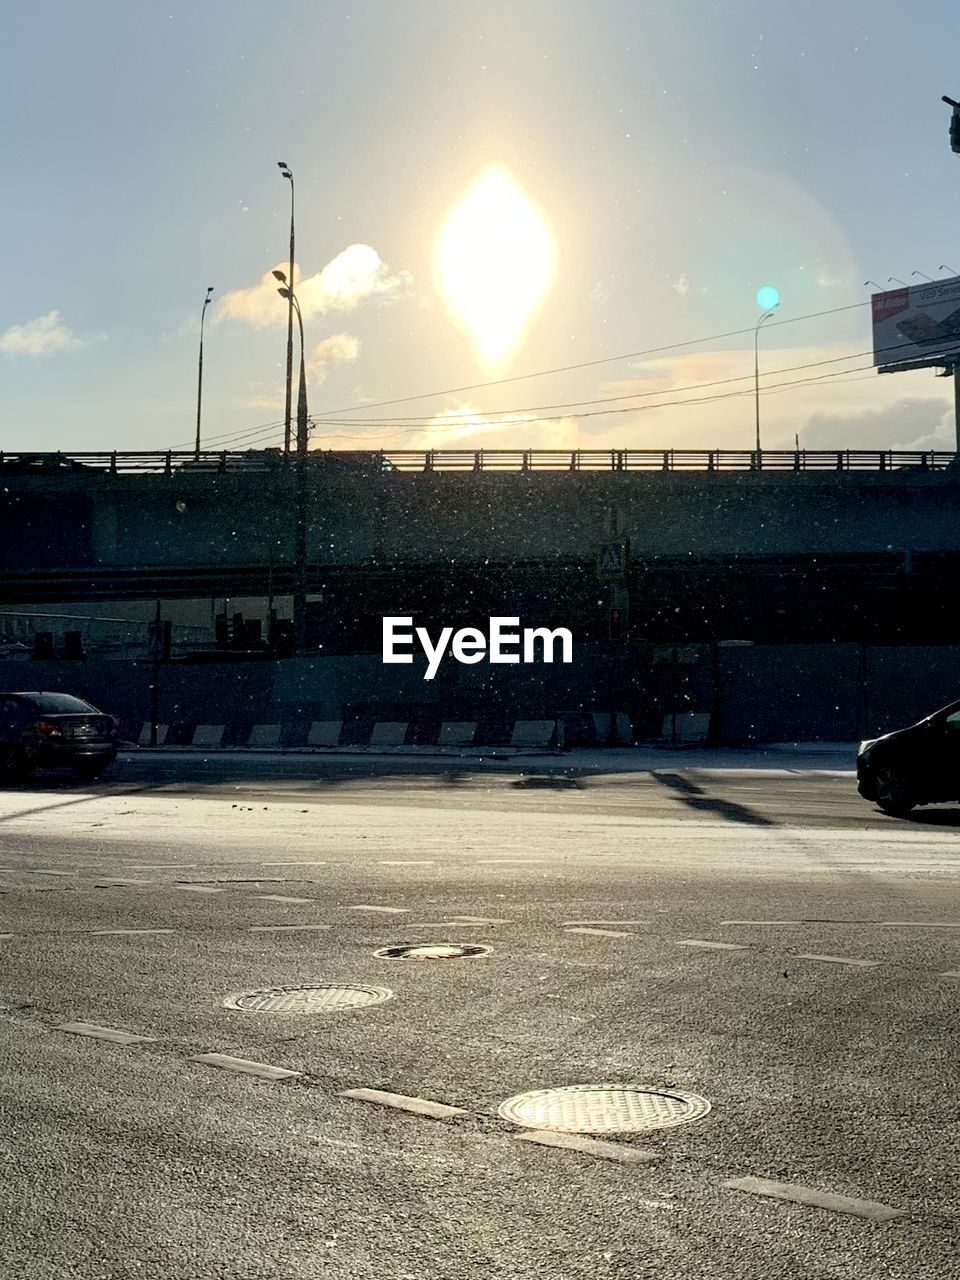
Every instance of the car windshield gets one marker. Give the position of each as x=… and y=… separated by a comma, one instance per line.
x=60, y=703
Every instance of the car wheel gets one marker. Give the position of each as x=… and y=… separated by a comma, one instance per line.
x=14, y=765
x=893, y=793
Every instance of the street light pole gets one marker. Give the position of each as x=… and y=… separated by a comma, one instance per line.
x=288, y=174
x=756, y=367
x=206, y=303
x=300, y=531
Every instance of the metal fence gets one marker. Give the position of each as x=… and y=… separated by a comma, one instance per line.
x=496, y=460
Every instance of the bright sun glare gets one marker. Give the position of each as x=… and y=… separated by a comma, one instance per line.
x=494, y=260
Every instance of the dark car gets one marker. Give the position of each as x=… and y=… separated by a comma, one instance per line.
x=51, y=730
x=919, y=765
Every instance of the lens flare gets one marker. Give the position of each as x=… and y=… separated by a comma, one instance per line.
x=494, y=261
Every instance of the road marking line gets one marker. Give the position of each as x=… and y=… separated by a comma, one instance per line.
x=444, y=924
x=53, y=873
x=279, y=897
x=104, y=933
x=860, y=964
x=394, y=911
x=948, y=973
x=510, y=862
x=199, y=888
x=293, y=864
x=115, y=880
x=285, y=928
x=602, y=933
x=243, y=1066
x=569, y=924
x=920, y=924
x=419, y=1106
x=5, y=937
x=164, y=866
x=712, y=946
x=592, y=1146
x=102, y=1033
x=481, y=920
x=409, y=863
x=797, y=1194
x=761, y=922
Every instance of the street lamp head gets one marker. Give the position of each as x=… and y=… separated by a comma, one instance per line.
x=280, y=275
x=284, y=293
x=285, y=169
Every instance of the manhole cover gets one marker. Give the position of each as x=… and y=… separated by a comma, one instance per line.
x=432, y=951
x=325, y=997
x=603, y=1108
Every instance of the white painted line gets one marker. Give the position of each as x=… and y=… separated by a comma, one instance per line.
x=860, y=964
x=165, y=866
x=481, y=920
x=394, y=911
x=712, y=946
x=602, y=933
x=445, y=924
x=279, y=897
x=102, y=1033
x=293, y=864
x=592, y=1146
x=761, y=922
x=5, y=937
x=38, y=872
x=948, y=973
x=384, y=863
x=243, y=1066
x=286, y=928
x=419, y=1106
x=569, y=924
x=199, y=888
x=116, y=880
x=796, y=1194
x=510, y=862
x=105, y=933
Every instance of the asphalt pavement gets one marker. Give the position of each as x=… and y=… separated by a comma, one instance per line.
x=736, y=928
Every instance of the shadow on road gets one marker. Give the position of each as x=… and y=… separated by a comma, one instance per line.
x=935, y=817
x=547, y=782
x=694, y=798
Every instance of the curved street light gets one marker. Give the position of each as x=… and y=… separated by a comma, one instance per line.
x=300, y=532
x=287, y=173
x=206, y=303
x=756, y=360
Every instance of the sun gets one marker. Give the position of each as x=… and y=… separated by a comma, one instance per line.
x=494, y=261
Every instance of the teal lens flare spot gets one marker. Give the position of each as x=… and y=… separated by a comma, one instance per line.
x=768, y=297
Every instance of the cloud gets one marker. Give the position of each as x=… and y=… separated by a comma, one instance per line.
x=682, y=285
x=44, y=336
x=339, y=348
x=353, y=276
x=908, y=424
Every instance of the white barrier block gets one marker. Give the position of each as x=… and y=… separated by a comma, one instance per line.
x=457, y=733
x=324, y=733
x=533, y=733
x=388, y=733
x=144, y=739
x=208, y=735
x=263, y=735
x=692, y=726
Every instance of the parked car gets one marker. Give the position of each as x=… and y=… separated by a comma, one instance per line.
x=918, y=765
x=50, y=730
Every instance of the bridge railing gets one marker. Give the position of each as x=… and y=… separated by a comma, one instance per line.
x=495, y=460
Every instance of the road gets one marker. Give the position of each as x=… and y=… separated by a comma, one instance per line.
x=823, y=1032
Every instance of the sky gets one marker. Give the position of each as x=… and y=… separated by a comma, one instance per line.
x=663, y=160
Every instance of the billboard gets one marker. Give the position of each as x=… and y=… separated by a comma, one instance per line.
x=917, y=325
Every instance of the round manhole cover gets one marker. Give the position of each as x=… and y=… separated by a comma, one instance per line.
x=432, y=951
x=603, y=1108
x=325, y=997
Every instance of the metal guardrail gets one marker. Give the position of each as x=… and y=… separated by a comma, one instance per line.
x=496, y=460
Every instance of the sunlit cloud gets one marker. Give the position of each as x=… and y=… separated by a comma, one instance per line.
x=339, y=348
x=45, y=336
x=681, y=285
x=352, y=277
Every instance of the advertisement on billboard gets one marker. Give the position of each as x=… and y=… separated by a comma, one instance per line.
x=918, y=324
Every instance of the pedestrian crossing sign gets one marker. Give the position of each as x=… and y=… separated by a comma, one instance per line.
x=611, y=560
